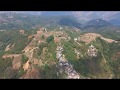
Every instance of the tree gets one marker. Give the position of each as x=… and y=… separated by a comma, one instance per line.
x=43, y=37
x=24, y=59
x=41, y=46
x=50, y=38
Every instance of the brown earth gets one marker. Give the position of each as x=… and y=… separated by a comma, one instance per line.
x=7, y=48
x=89, y=37
x=108, y=40
x=36, y=61
x=37, y=39
x=21, y=31
x=56, y=40
x=30, y=37
x=31, y=74
x=16, y=64
x=10, y=55
x=116, y=56
x=26, y=66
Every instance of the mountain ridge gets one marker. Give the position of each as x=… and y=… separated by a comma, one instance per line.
x=59, y=45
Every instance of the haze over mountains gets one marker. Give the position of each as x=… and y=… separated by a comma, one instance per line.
x=111, y=16
x=88, y=15
x=84, y=20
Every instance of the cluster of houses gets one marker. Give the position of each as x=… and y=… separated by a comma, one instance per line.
x=92, y=51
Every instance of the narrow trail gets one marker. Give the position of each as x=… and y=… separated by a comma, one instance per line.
x=78, y=43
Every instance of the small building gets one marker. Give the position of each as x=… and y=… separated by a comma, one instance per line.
x=75, y=39
x=92, y=51
x=61, y=28
x=21, y=31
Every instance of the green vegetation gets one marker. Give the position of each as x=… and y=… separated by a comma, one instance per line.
x=106, y=63
x=1, y=53
x=24, y=59
x=41, y=46
x=49, y=72
x=73, y=34
x=51, y=49
x=69, y=50
x=42, y=37
x=88, y=65
x=19, y=73
x=48, y=54
x=50, y=38
x=13, y=37
x=92, y=67
x=4, y=63
x=10, y=73
x=111, y=32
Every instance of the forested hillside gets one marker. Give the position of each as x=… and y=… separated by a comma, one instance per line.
x=58, y=47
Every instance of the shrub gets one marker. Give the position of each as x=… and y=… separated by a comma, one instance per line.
x=50, y=38
x=24, y=59
x=42, y=37
x=41, y=46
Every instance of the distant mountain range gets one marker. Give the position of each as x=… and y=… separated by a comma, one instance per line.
x=98, y=22
x=82, y=16
x=55, y=13
x=78, y=19
x=89, y=15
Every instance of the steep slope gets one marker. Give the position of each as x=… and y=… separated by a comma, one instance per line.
x=55, y=13
x=89, y=15
x=60, y=53
x=98, y=22
x=71, y=22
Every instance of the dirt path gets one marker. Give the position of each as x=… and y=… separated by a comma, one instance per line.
x=89, y=37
